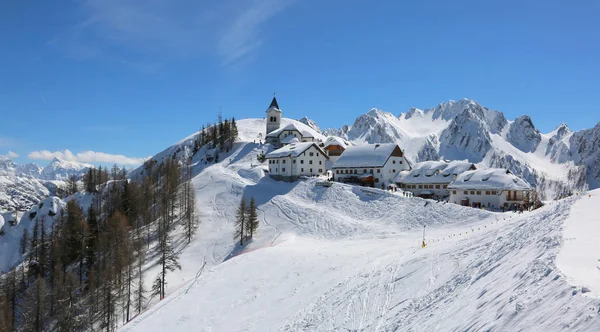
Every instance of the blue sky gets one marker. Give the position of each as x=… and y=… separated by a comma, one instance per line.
x=126, y=78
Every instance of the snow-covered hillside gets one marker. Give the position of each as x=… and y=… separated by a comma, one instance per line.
x=349, y=258
x=556, y=163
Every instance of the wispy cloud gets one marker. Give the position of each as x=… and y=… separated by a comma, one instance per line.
x=86, y=157
x=144, y=34
x=11, y=154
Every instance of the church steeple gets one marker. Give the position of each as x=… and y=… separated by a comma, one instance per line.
x=274, y=103
x=273, y=116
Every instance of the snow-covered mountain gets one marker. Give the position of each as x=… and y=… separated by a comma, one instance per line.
x=557, y=163
x=22, y=186
x=61, y=170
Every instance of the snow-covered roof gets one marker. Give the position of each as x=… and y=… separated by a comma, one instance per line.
x=303, y=129
x=290, y=139
x=433, y=172
x=294, y=150
x=491, y=178
x=368, y=155
x=335, y=140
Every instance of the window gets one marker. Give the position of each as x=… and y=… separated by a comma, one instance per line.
x=378, y=170
x=294, y=161
x=365, y=171
x=317, y=154
x=346, y=171
x=311, y=154
x=493, y=192
x=393, y=161
x=310, y=162
x=320, y=162
x=472, y=192
x=355, y=171
x=371, y=171
x=320, y=170
x=283, y=161
x=487, y=192
x=466, y=192
x=400, y=162
x=453, y=192
x=311, y=170
x=302, y=170
x=376, y=180
x=445, y=186
x=393, y=171
x=302, y=161
x=478, y=192
x=437, y=186
x=283, y=169
x=271, y=170
x=420, y=186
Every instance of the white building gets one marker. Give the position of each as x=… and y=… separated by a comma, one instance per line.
x=297, y=159
x=371, y=164
x=493, y=188
x=431, y=178
x=334, y=147
x=292, y=133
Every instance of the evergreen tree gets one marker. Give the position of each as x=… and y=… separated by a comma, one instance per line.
x=72, y=186
x=252, y=219
x=24, y=244
x=241, y=221
x=234, y=130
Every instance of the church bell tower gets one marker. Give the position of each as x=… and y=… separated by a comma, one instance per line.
x=273, y=116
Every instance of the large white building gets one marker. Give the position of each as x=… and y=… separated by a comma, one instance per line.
x=431, y=178
x=493, y=188
x=371, y=164
x=297, y=159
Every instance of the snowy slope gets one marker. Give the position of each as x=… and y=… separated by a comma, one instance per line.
x=579, y=258
x=340, y=258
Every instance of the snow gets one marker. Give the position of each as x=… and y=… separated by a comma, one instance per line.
x=300, y=127
x=579, y=258
x=293, y=150
x=340, y=258
x=59, y=169
x=491, y=178
x=433, y=172
x=334, y=140
x=366, y=155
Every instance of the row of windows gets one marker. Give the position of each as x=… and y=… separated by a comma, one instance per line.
x=273, y=119
x=399, y=162
x=355, y=171
x=301, y=170
x=476, y=192
x=293, y=161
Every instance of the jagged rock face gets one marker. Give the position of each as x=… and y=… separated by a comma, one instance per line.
x=7, y=166
x=30, y=170
x=375, y=127
x=342, y=132
x=585, y=149
x=59, y=169
x=311, y=124
x=430, y=149
x=466, y=137
x=523, y=135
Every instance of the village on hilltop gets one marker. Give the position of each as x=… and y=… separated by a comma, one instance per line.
x=301, y=152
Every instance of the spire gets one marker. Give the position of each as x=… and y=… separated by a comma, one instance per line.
x=274, y=102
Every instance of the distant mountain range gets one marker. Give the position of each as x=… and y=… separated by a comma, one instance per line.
x=22, y=186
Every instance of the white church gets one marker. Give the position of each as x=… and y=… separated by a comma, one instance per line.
x=292, y=133
x=297, y=151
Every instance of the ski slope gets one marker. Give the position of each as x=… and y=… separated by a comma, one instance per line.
x=579, y=259
x=350, y=258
